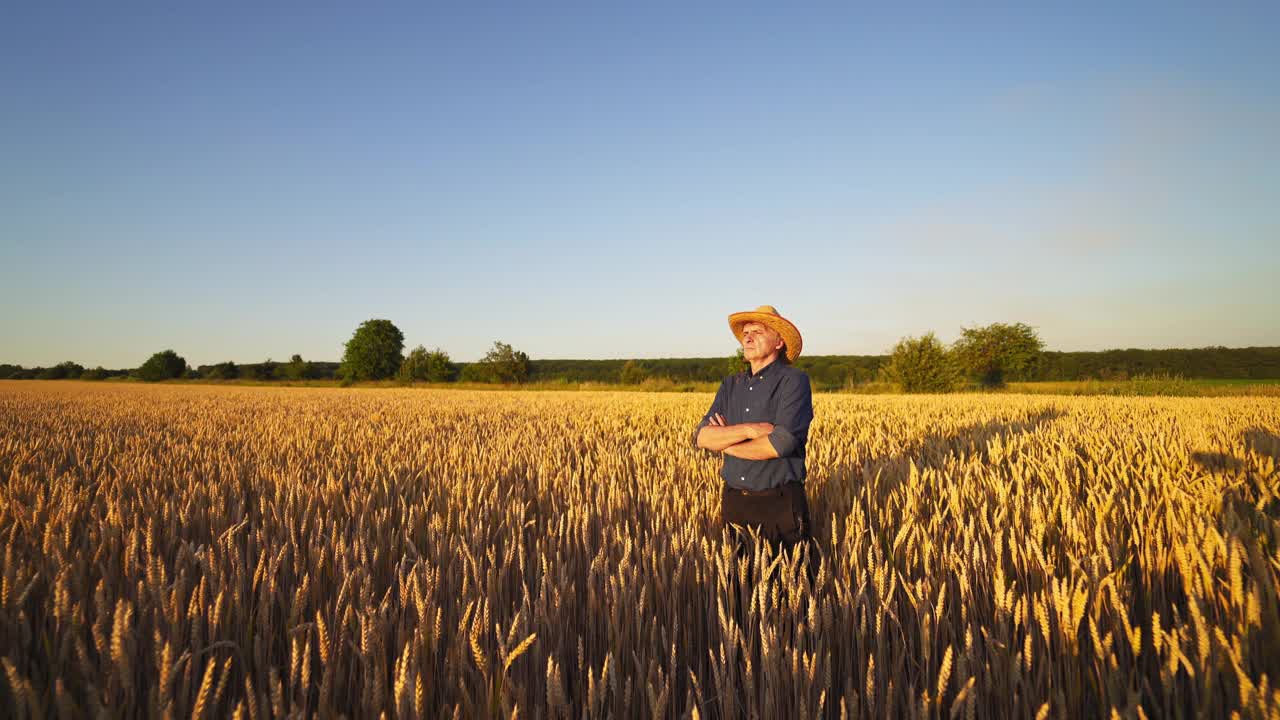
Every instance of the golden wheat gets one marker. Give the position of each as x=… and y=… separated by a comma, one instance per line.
x=268, y=552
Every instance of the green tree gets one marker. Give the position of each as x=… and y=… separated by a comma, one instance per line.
x=505, y=364
x=223, y=371
x=164, y=365
x=375, y=351
x=994, y=352
x=632, y=373
x=735, y=364
x=921, y=365
x=297, y=369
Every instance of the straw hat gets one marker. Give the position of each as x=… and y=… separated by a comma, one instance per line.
x=768, y=315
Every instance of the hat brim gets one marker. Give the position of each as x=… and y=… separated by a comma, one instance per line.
x=790, y=334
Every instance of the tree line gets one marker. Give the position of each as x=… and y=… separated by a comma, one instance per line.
x=376, y=351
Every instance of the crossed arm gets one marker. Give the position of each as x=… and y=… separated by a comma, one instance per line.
x=749, y=441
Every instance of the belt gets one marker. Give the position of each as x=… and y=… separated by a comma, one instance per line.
x=771, y=492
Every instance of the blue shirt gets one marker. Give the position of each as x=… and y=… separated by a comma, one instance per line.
x=778, y=394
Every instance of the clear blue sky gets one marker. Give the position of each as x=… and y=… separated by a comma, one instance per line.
x=238, y=181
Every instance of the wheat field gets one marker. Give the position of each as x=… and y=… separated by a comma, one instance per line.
x=182, y=551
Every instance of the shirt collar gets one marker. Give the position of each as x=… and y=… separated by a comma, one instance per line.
x=767, y=368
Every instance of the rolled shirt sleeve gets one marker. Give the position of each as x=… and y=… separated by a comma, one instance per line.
x=795, y=412
x=717, y=407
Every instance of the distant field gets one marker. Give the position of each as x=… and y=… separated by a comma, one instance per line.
x=230, y=551
x=1153, y=386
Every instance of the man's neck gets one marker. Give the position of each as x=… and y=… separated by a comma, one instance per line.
x=763, y=363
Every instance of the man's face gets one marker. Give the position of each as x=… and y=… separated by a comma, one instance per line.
x=759, y=341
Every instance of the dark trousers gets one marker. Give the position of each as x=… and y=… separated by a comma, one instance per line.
x=780, y=515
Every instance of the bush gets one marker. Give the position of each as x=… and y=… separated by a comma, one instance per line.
x=475, y=373
x=413, y=367
x=98, y=373
x=427, y=366
x=263, y=371
x=61, y=371
x=164, y=365
x=223, y=371
x=297, y=369
x=374, y=352
x=921, y=365
x=440, y=368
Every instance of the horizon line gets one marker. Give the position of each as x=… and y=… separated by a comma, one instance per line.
x=703, y=357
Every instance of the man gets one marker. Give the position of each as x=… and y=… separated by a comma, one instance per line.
x=760, y=421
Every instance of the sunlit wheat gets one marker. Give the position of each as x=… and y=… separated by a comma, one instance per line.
x=267, y=552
